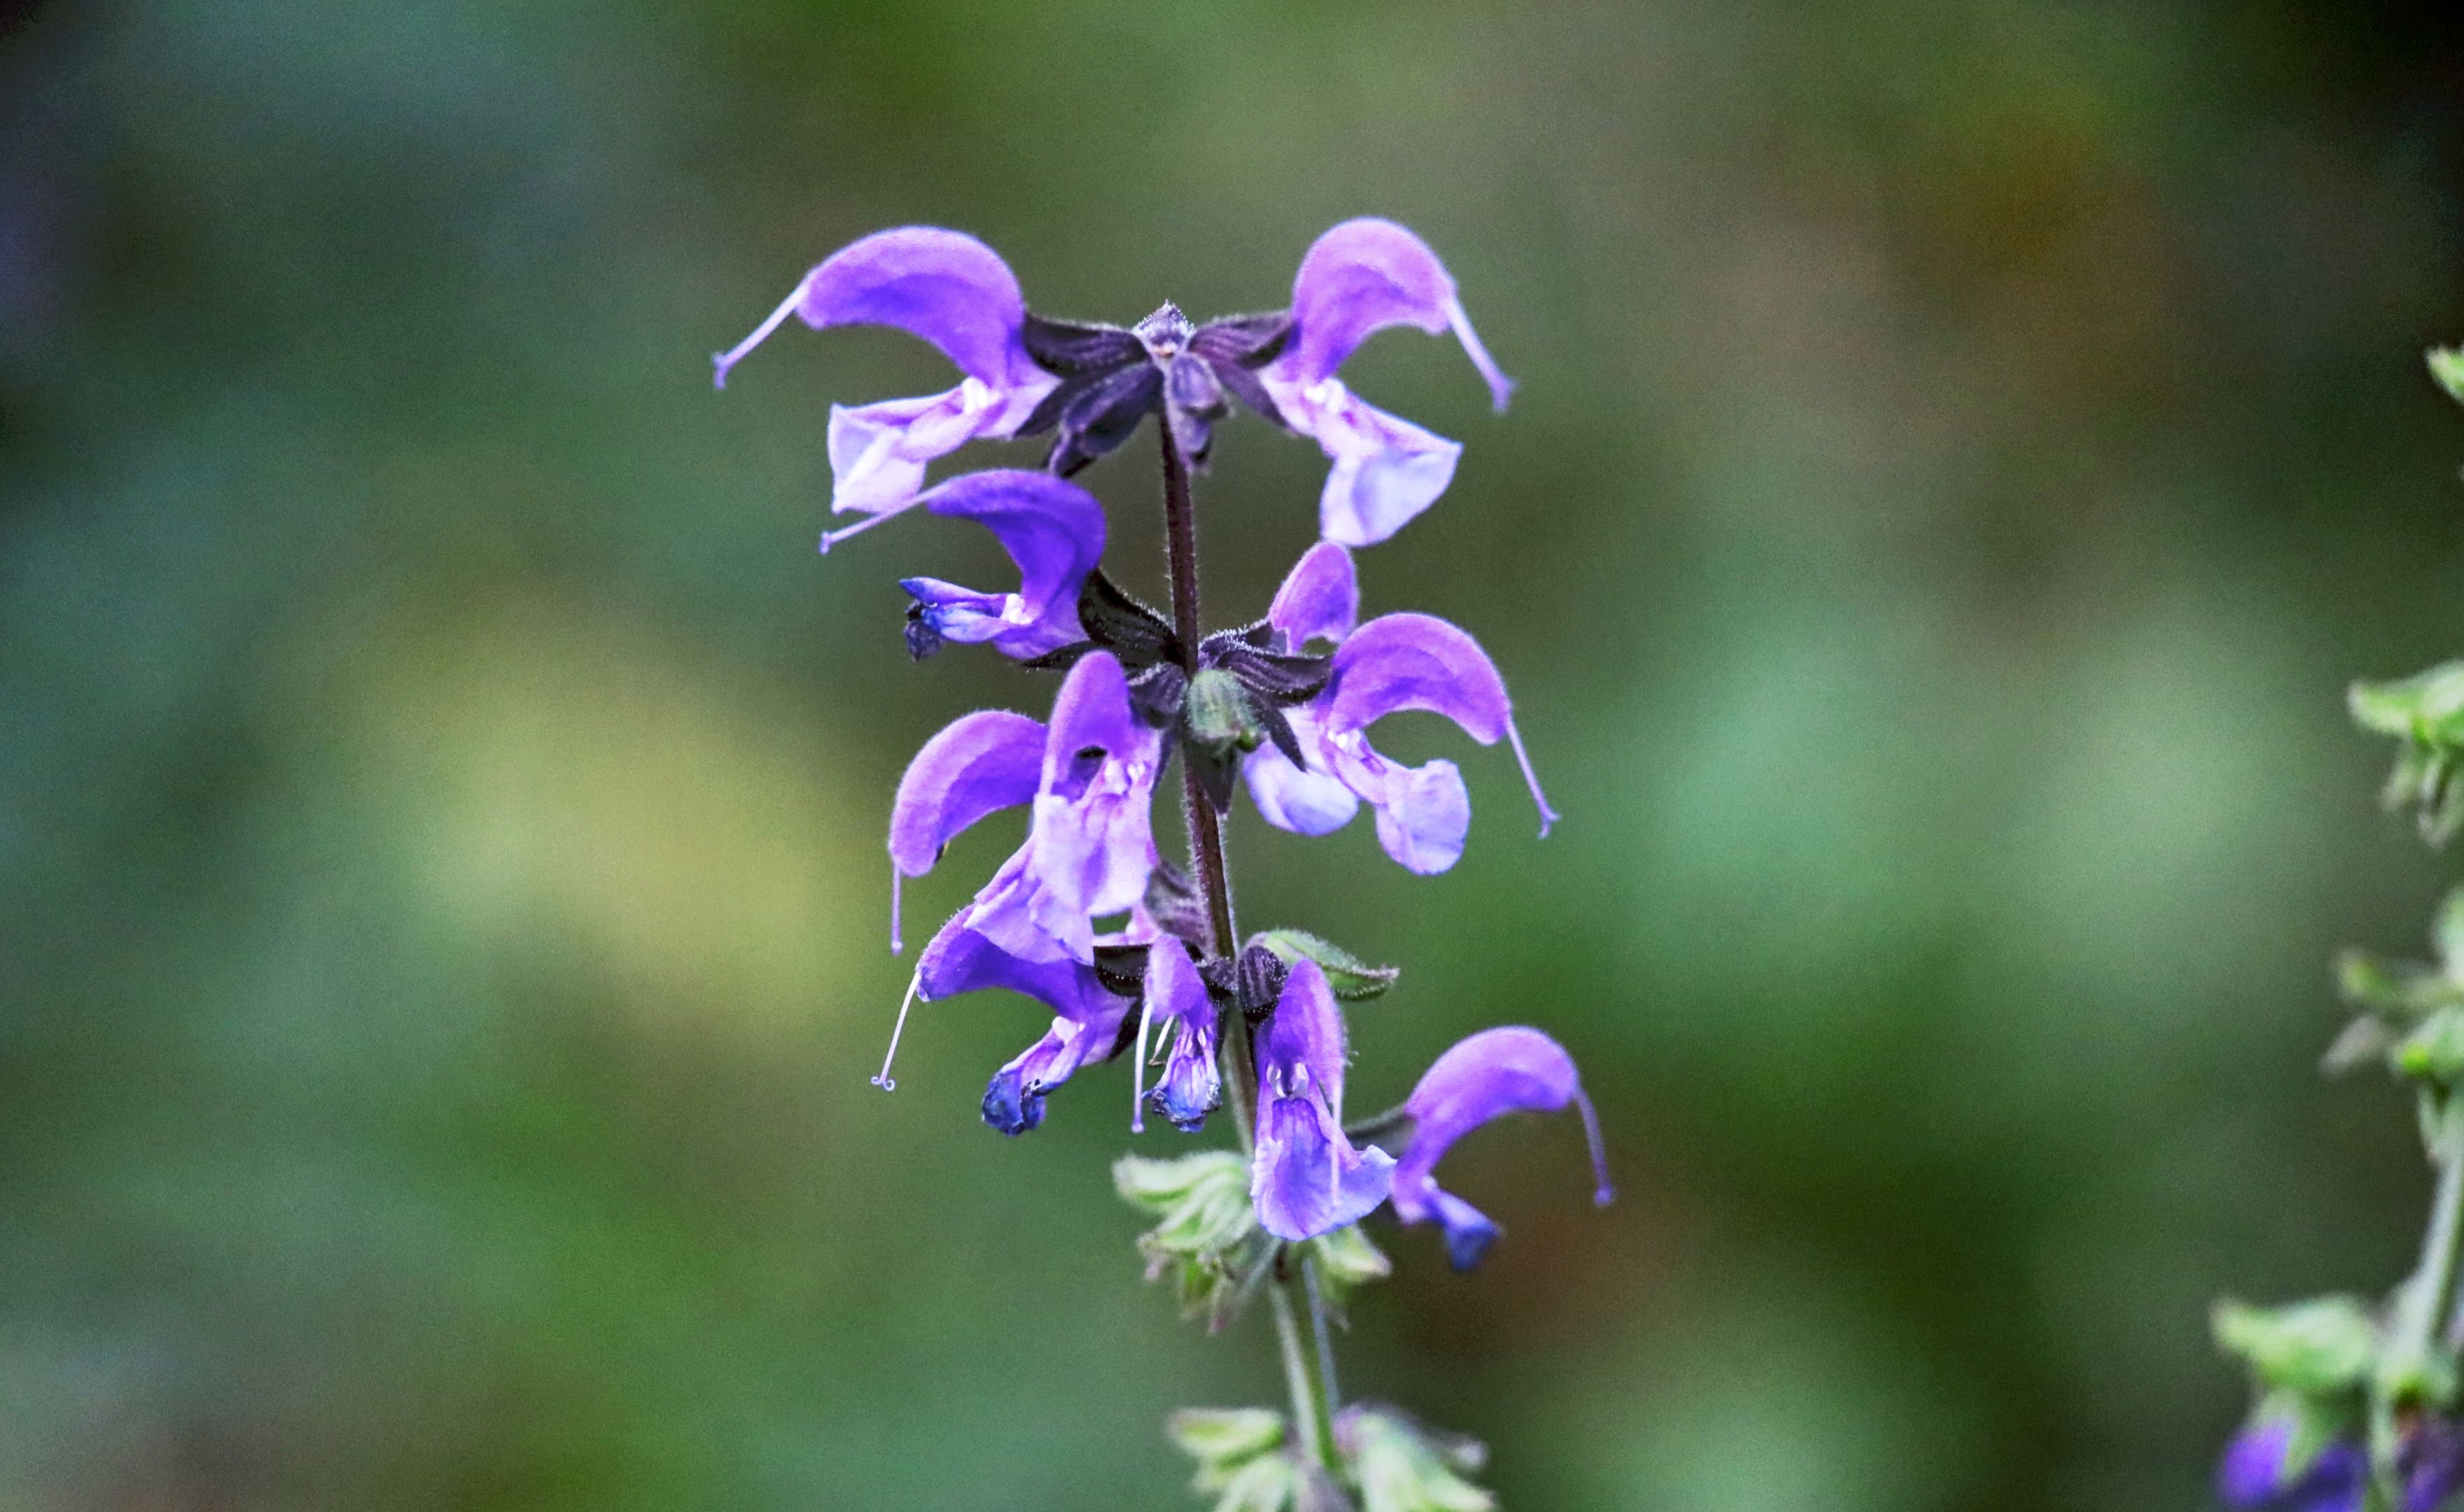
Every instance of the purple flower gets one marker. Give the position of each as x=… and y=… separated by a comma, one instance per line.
x=1089, y=1020
x=2263, y=1469
x=1395, y=663
x=956, y=293
x=1355, y=280
x=1307, y=1179
x=1492, y=1073
x=1052, y=529
x=1090, y=846
x=1176, y=1002
x=2260, y=1470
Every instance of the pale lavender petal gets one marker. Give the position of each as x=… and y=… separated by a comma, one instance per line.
x=1306, y=1179
x=978, y=764
x=1052, y=529
x=1320, y=598
x=1014, y=1101
x=944, y=286
x=1423, y=812
x=878, y=451
x=1094, y=845
x=1484, y=1076
x=1311, y=803
x=1361, y=277
x=1386, y=469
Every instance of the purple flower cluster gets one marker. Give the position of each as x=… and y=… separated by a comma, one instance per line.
x=1086, y=917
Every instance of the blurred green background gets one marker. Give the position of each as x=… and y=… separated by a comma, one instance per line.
x=1963, y=448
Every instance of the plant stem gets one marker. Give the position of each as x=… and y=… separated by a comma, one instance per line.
x=1309, y=1377
x=1308, y=1415
x=2424, y=1301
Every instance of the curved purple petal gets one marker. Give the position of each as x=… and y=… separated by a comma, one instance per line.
x=1484, y=1076
x=1386, y=469
x=978, y=764
x=1052, y=529
x=878, y=451
x=1399, y=662
x=1014, y=1101
x=1320, y=597
x=961, y=959
x=942, y=285
x=1359, y=278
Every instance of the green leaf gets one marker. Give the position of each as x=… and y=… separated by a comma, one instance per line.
x=2434, y=1051
x=2428, y=706
x=1400, y=1465
x=1158, y=1185
x=2447, y=365
x=1223, y=1439
x=1344, y=1258
x=2324, y=1346
x=1270, y=1484
x=1352, y=978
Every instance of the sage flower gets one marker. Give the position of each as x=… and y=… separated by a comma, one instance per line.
x=1306, y=1179
x=1176, y=1002
x=1090, y=844
x=1361, y=277
x=1395, y=663
x=1484, y=1076
x=949, y=289
x=1052, y=529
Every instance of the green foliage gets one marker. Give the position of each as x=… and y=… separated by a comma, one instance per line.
x=1244, y=1465
x=1207, y=1236
x=1401, y=1465
x=1352, y=978
x=2412, y=1014
x=2426, y=712
x=2447, y=365
x=2314, y=1349
x=1345, y=1259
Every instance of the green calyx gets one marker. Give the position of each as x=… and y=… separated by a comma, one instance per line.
x=1208, y=1239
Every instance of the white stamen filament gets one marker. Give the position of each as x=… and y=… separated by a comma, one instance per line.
x=1603, y=1192
x=897, y=882
x=830, y=538
x=723, y=361
x=1138, y=1069
x=1548, y=816
x=883, y=1081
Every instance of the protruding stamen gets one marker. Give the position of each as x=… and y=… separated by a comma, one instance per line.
x=1602, y=1194
x=897, y=881
x=830, y=538
x=1548, y=816
x=1139, y=1068
x=723, y=361
x=1500, y=386
x=883, y=1081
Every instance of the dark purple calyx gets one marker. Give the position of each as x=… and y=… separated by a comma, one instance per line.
x=1111, y=379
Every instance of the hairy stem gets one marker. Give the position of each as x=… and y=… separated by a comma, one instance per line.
x=1307, y=1371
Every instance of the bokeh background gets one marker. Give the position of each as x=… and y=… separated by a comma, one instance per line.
x=1963, y=448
